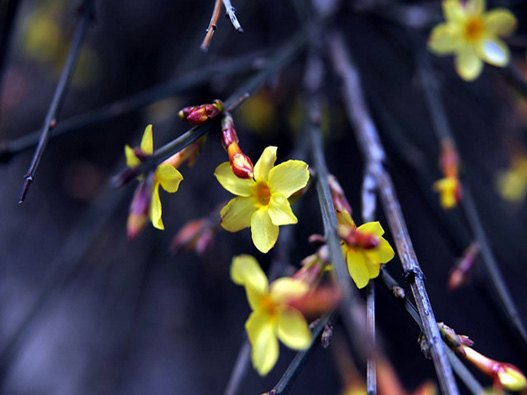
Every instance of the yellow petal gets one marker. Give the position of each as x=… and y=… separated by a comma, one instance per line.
x=147, y=142
x=286, y=288
x=447, y=192
x=500, y=22
x=288, y=177
x=131, y=159
x=371, y=228
x=280, y=210
x=261, y=332
x=293, y=330
x=169, y=177
x=233, y=184
x=265, y=164
x=344, y=218
x=444, y=39
x=246, y=271
x=468, y=65
x=264, y=233
x=494, y=51
x=236, y=215
x=383, y=253
x=358, y=267
x=476, y=7
x=453, y=11
x=156, y=209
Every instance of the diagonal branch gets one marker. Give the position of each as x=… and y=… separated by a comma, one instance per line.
x=88, y=14
x=373, y=153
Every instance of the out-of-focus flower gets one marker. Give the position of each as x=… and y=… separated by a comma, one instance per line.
x=195, y=235
x=199, y=114
x=166, y=175
x=364, y=248
x=461, y=272
x=472, y=35
x=449, y=187
x=261, y=203
x=512, y=183
x=272, y=317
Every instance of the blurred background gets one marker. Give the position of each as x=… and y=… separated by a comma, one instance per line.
x=84, y=310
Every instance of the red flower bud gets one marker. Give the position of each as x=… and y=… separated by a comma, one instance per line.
x=140, y=207
x=199, y=114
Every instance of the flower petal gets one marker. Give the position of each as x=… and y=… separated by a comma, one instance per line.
x=237, y=214
x=246, y=271
x=476, y=7
x=169, y=177
x=264, y=352
x=264, y=164
x=383, y=253
x=280, y=210
x=288, y=177
x=358, y=267
x=147, y=142
x=293, y=330
x=264, y=232
x=344, y=218
x=444, y=39
x=453, y=11
x=500, y=22
x=494, y=51
x=156, y=209
x=371, y=228
x=233, y=184
x=286, y=288
x=468, y=65
x=131, y=159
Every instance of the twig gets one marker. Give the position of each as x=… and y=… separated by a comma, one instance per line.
x=212, y=26
x=231, y=13
x=374, y=154
x=88, y=11
x=444, y=133
x=280, y=60
x=462, y=372
x=9, y=149
x=5, y=37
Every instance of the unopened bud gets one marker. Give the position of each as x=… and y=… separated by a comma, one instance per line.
x=228, y=133
x=449, y=159
x=140, y=207
x=462, y=270
x=197, y=235
x=337, y=194
x=199, y=114
x=453, y=340
x=241, y=165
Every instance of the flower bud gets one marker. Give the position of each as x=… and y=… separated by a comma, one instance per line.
x=337, y=194
x=462, y=270
x=195, y=235
x=199, y=114
x=241, y=164
x=140, y=207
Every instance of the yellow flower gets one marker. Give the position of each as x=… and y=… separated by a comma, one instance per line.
x=364, y=248
x=449, y=190
x=512, y=183
x=262, y=202
x=272, y=318
x=472, y=35
x=165, y=175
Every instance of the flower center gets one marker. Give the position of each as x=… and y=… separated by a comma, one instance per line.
x=262, y=194
x=268, y=306
x=474, y=29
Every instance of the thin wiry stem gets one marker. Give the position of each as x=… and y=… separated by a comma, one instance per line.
x=190, y=80
x=212, y=25
x=462, y=372
x=286, y=55
x=444, y=133
x=88, y=11
x=231, y=13
x=373, y=152
x=6, y=36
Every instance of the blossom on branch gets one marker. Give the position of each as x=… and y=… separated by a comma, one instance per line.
x=262, y=203
x=272, y=316
x=472, y=35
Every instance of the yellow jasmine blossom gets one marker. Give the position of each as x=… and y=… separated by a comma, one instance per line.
x=272, y=317
x=472, y=35
x=364, y=248
x=262, y=202
x=449, y=191
x=512, y=183
x=165, y=175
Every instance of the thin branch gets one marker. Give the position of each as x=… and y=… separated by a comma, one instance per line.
x=462, y=372
x=9, y=149
x=88, y=13
x=212, y=26
x=6, y=36
x=231, y=14
x=444, y=133
x=284, y=56
x=373, y=152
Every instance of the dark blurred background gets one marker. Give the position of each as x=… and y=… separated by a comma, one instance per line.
x=83, y=310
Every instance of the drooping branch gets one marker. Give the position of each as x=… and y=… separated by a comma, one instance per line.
x=88, y=13
x=373, y=153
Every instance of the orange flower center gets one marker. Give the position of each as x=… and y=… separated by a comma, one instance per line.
x=269, y=306
x=262, y=194
x=474, y=29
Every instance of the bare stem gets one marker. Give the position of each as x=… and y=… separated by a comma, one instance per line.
x=88, y=11
x=373, y=152
x=444, y=133
x=284, y=56
x=212, y=26
x=231, y=13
